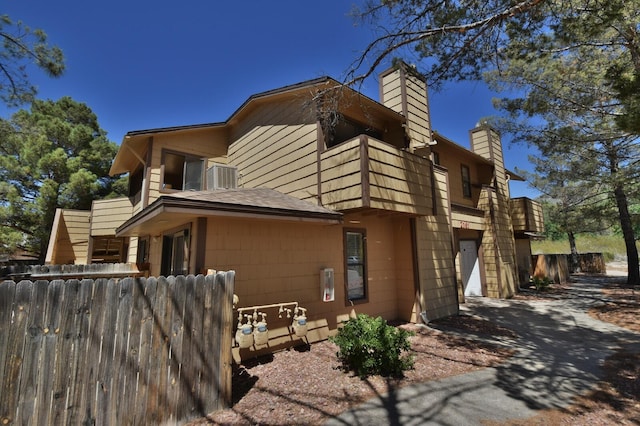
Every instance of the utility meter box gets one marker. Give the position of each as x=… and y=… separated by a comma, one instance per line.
x=326, y=285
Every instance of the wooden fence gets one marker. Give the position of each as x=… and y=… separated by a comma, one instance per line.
x=558, y=267
x=115, y=351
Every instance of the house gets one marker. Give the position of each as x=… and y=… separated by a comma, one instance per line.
x=319, y=196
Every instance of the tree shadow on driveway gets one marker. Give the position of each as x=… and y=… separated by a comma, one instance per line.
x=559, y=348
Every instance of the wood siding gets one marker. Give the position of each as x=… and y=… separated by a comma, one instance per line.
x=406, y=93
x=205, y=143
x=526, y=215
x=498, y=245
x=107, y=215
x=277, y=149
x=463, y=217
x=342, y=176
x=436, y=259
x=369, y=173
x=71, y=243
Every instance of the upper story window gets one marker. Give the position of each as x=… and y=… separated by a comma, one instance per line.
x=435, y=157
x=135, y=181
x=344, y=129
x=182, y=172
x=466, y=181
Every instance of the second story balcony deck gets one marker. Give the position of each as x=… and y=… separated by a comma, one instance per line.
x=526, y=216
x=365, y=173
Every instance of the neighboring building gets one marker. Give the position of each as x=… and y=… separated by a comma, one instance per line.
x=316, y=177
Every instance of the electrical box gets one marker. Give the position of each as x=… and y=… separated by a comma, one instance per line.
x=326, y=285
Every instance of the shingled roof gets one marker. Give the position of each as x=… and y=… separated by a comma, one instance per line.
x=243, y=202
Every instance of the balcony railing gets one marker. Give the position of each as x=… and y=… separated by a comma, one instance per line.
x=526, y=215
x=367, y=173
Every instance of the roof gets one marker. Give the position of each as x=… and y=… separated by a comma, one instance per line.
x=466, y=151
x=257, y=203
x=135, y=142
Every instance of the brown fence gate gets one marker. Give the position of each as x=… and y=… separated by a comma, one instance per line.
x=115, y=351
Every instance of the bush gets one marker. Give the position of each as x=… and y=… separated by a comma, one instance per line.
x=370, y=346
x=541, y=284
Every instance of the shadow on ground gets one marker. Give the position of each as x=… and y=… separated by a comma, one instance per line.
x=560, y=350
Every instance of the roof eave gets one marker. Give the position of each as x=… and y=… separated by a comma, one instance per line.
x=169, y=205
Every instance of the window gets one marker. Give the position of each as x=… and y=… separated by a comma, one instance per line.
x=182, y=172
x=355, y=265
x=435, y=157
x=142, y=255
x=466, y=181
x=175, y=253
x=135, y=181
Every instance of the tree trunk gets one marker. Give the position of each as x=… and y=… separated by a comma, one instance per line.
x=575, y=258
x=633, y=276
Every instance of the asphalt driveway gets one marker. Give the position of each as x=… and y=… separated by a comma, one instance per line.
x=560, y=350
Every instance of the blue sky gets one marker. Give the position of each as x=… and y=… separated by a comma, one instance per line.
x=144, y=64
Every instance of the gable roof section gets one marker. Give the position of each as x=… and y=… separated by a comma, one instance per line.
x=136, y=142
x=444, y=141
x=256, y=203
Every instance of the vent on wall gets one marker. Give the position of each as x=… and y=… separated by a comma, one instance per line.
x=220, y=176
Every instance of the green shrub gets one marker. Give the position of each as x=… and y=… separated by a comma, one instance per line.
x=541, y=284
x=370, y=346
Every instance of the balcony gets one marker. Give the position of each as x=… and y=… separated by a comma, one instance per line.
x=368, y=173
x=526, y=216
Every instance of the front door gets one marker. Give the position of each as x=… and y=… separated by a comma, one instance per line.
x=470, y=268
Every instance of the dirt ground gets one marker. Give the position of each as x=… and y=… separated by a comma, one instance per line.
x=306, y=385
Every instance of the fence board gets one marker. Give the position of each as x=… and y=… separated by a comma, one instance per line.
x=129, y=387
x=178, y=290
x=96, y=318
x=146, y=356
x=188, y=371
x=7, y=294
x=47, y=361
x=15, y=348
x=157, y=401
x=198, y=354
x=225, y=326
x=108, y=342
x=120, y=342
x=64, y=365
x=118, y=351
x=81, y=388
x=32, y=345
x=206, y=374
